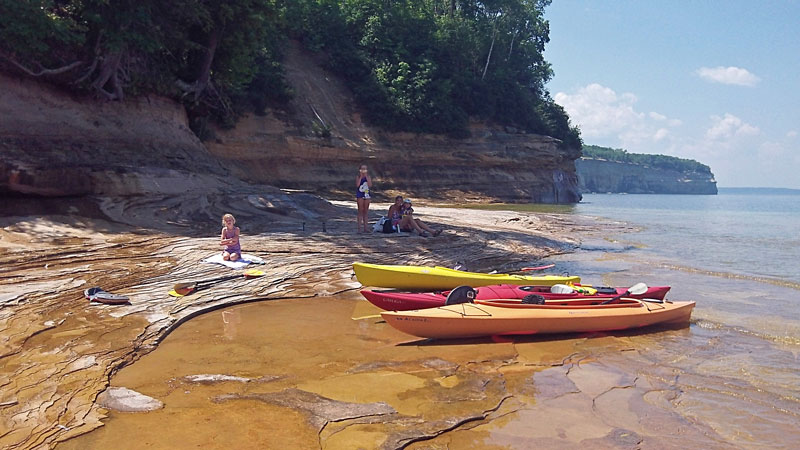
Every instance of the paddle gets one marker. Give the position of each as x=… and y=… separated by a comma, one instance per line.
x=528, y=269
x=636, y=289
x=187, y=288
x=547, y=266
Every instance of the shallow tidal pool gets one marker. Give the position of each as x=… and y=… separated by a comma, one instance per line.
x=328, y=373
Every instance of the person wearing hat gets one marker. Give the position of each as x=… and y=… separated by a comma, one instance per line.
x=408, y=223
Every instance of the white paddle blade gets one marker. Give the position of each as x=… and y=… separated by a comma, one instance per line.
x=638, y=289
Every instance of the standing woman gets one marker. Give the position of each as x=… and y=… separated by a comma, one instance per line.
x=363, y=184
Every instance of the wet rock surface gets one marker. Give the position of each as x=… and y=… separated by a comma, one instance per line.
x=126, y=400
x=320, y=409
x=59, y=351
x=361, y=384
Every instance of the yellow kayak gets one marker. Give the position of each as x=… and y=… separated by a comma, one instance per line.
x=501, y=317
x=436, y=278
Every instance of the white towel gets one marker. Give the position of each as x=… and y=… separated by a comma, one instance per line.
x=240, y=263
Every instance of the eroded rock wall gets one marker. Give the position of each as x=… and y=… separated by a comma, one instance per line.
x=493, y=165
x=602, y=176
x=55, y=144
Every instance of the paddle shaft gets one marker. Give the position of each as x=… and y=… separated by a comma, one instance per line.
x=188, y=288
x=527, y=269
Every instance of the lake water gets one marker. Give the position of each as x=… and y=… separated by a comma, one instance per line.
x=754, y=236
x=737, y=254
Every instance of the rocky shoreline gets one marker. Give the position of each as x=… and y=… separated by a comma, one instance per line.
x=59, y=352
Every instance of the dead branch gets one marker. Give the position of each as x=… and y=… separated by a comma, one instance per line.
x=43, y=71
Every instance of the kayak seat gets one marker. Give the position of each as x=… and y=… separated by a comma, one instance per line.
x=534, y=299
x=461, y=294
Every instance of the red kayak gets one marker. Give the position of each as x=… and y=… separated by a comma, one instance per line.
x=391, y=300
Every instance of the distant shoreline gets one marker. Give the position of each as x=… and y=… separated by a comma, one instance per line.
x=757, y=190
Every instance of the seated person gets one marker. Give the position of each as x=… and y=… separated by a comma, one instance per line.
x=408, y=223
x=395, y=211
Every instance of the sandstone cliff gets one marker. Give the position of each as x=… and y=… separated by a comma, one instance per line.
x=596, y=175
x=56, y=144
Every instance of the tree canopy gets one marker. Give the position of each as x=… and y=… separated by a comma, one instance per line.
x=656, y=161
x=412, y=65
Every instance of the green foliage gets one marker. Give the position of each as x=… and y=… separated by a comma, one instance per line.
x=417, y=65
x=656, y=161
x=413, y=65
x=221, y=58
x=37, y=29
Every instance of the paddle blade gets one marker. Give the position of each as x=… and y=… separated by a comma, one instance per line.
x=527, y=269
x=254, y=273
x=185, y=290
x=637, y=289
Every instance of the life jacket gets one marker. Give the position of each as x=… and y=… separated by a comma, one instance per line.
x=585, y=290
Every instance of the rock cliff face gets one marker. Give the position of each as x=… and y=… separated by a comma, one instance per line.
x=602, y=176
x=54, y=144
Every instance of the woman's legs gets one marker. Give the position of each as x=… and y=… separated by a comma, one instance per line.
x=408, y=223
x=360, y=203
x=424, y=227
x=365, y=218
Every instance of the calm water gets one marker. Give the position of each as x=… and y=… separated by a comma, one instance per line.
x=749, y=235
x=738, y=256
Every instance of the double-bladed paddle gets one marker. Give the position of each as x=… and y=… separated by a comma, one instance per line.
x=181, y=289
x=636, y=289
x=528, y=269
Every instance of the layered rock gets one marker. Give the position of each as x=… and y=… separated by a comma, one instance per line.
x=56, y=144
x=495, y=165
x=601, y=176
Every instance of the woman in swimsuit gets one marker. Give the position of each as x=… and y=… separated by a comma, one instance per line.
x=363, y=185
x=395, y=211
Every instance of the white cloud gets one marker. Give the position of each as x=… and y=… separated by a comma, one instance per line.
x=728, y=75
x=602, y=113
x=729, y=127
x=739, y=153
x=661, y=134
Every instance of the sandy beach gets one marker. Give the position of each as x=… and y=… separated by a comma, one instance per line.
x=297, y=358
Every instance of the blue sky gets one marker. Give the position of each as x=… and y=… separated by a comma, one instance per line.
x=714, y=81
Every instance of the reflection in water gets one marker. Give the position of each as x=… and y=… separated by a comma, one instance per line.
x=230, y=319
x=314, y=377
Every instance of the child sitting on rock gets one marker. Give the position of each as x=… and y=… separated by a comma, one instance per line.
x=230, y=239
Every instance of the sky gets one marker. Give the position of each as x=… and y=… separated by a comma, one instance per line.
x=714, y=81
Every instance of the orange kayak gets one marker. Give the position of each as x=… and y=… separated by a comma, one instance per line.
x=499, y=317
